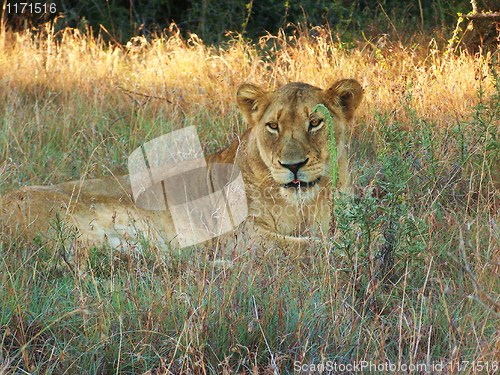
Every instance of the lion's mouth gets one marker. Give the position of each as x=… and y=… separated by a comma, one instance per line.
x=297, y=184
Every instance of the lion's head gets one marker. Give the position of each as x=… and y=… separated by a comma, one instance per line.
x=292, y=140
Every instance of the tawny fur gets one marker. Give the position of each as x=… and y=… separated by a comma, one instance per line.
x=102, y=211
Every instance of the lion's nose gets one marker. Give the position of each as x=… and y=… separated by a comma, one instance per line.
x=294, y=168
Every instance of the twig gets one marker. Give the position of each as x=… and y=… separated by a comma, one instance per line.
x=474, y=6
x=493, y=16
x=144, y=95
x=421, y=15
x=390, y=21
x=273, y=363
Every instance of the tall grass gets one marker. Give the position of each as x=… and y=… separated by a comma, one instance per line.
x=411, y=277
x=69, y=89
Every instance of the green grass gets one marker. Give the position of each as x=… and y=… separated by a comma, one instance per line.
x=411, y=277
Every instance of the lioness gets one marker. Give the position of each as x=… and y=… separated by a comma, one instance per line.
x=283, y=157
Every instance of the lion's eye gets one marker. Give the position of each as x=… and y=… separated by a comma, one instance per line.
x=273, y=126
x=315, y=123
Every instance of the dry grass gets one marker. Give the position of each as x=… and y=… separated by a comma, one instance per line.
x=68, y=72
x=197, y=77
x=413, y=277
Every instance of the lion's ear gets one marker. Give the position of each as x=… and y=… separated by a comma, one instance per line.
x=347, y=93
x=252, y=100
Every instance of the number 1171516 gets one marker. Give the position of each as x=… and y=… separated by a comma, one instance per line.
x=32, y=8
